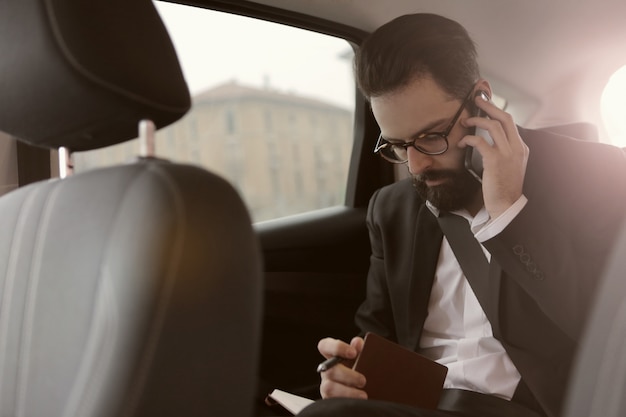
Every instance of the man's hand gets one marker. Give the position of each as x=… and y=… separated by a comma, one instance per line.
x=504, y=163
x=341, y=381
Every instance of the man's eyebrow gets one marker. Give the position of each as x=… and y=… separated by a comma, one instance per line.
x=427, y=129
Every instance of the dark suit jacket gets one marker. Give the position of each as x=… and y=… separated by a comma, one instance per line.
x=545, y=264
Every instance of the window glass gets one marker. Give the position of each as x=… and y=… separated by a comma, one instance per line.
x=272, y=110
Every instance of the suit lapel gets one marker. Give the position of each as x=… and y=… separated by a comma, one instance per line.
x=425, y=250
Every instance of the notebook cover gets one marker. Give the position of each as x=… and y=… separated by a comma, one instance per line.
x=395, y=373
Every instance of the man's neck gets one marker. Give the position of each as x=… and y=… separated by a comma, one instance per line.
x=474, y=206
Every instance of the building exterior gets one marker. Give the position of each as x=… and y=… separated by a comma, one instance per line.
x=286, y=154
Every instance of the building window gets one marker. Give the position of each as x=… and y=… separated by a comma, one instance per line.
x=230, y=122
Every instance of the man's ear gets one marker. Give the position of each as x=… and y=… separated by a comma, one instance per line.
x=484, y=85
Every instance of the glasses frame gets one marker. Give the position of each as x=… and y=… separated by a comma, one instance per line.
x=383, y=143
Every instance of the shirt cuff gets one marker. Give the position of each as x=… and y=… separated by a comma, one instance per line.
x=497, y=225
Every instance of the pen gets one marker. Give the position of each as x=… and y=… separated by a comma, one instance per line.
x=329, y=363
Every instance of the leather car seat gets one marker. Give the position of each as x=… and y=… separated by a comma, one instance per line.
x=598, y=382
x=133, y=290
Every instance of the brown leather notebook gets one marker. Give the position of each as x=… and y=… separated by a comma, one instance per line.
x=395, y=373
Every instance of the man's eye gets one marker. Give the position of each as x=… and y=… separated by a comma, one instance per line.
x=429, y=138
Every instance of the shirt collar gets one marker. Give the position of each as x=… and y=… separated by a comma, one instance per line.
x=476, y=222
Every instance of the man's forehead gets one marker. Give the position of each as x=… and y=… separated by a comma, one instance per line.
x=418, y=107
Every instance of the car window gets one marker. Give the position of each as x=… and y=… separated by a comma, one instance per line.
x=272, y=110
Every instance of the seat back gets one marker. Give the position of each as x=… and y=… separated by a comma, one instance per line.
x=598, y=382
x=580, y=130
x=133, y=290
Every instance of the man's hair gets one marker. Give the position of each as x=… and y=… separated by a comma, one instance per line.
x=413, y=46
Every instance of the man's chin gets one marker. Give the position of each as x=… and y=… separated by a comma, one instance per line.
x=454, y=191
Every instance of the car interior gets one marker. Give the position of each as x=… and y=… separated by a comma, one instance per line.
x=177, y=248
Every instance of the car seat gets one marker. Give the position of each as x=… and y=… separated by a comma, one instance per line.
x=598, y=381
x=132, y=290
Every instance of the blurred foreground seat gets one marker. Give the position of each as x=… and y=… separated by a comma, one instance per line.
x=598, y=382
x=133, y=290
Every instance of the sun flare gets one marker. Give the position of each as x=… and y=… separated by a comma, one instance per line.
x=613, y=106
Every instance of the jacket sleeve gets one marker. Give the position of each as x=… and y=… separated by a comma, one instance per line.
x=557, y=246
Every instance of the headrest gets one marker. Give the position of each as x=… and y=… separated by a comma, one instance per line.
x=581, y=130
x=82, y=74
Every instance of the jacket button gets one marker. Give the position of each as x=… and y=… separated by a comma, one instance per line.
x=524, y=258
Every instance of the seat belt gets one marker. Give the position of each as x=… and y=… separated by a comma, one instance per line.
x=469, y=254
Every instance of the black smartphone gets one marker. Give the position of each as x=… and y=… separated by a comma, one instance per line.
x=473, y=159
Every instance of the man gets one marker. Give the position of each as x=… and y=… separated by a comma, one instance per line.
x=546, y=214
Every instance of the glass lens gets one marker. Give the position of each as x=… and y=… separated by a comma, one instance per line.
x=431, y=144
x=393, y=153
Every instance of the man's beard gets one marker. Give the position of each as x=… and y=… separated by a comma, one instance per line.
x=456, y=192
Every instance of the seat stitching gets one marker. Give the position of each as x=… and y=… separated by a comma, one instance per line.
x=101, y=339
x=9, y=282
x=29, y=304
x=98, y=352
x=165, y=296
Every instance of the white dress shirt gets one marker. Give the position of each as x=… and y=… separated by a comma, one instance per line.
x=457, y=332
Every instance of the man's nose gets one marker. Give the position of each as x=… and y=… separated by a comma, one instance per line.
x=418, y=162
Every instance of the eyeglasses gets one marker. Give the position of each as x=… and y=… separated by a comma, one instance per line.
x=429, y=143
